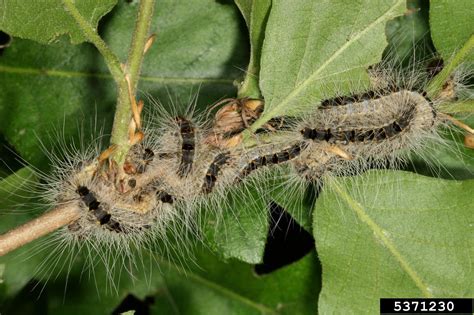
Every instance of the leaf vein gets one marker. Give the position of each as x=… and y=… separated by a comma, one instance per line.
x=78, y=74
x=364, y=217
x=314, y=76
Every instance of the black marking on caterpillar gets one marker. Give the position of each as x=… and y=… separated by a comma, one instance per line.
x=132, y=182
x=354, y=98
x=160, y=194
x=433, y=110
x=147, y=158
x=187, y=132
x=279, y=157
x=213, y=171
x=361, y=135
x=113, y=225
x=164, y=197
x=138, y=161
x=102, y=216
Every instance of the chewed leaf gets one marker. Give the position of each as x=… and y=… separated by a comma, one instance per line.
x=388, y=233
x=312, y=44
x=44, y=21
x=451, y=25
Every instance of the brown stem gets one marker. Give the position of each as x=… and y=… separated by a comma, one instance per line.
x=456, y=122
x=34, y=229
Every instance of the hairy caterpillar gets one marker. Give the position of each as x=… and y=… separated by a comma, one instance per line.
x=178, y=168
x=372, y=130
x=376, y=127
x=186, y=163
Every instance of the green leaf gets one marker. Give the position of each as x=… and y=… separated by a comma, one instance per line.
x=297, y=198
x=256, y=15
x=44, y=91
x=451, y=30
x=408, y=35
x=47, y=87
x=310, y=44
x=240, y=227
x=234, y=288
x=451, y=26
x=44, y=21
x=212, y=287
x=393, y=234
x=64, y=87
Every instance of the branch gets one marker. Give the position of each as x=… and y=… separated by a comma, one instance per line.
x=34, y=229
x=123, y=112
x=61, y=216
x=140, y=37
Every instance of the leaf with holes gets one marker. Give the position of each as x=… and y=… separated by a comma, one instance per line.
x=44, y=21
x=393, y=234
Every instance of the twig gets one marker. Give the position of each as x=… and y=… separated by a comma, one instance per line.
x=457, y=123
x=123, y=106
x=61, y=216
x=34, y=229
x=123, y=112
x=139, y=41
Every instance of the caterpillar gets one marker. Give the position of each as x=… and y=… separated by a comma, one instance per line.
x=187, y=163
x=367, y=130
x=372, y=130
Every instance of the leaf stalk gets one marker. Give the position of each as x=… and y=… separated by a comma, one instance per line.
x=436, y=85
x=112, y=61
